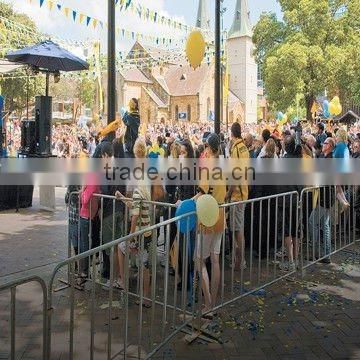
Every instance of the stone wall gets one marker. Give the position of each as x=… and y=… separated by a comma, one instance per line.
x=206, y=96
x=184, y=103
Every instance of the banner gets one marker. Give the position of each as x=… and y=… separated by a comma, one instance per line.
x=78, y=17
x=154, y=16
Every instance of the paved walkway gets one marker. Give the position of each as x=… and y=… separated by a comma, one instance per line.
x=32, y=238
x=316, y=318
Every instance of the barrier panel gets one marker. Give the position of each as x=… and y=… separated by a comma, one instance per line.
x=134, y=328
x=174, y=307
x=12, y=286
x=328, y=219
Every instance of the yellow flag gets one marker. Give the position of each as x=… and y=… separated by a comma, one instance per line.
x=94, y=23
x=50, y=4
x=98, y=73
x=314, y=108
x=81, y=18
x=226, y=83
x=66, y=11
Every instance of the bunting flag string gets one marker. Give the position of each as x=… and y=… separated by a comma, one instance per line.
x=154, y=16
x=78, y=17
x=16, y=28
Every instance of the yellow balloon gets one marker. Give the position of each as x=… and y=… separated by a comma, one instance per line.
x=338, y=110
x=195, y=48
x=336, y=100
x=332, y=108
x=207, y=210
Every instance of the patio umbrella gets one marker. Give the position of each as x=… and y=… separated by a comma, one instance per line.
x=49, y=57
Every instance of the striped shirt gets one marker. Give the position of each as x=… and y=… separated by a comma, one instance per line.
x=141, y=209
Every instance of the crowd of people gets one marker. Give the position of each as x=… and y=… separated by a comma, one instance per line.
x=198, y=141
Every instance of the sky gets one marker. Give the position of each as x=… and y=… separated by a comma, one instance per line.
x=56, y=24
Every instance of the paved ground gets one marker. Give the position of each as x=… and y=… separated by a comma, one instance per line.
x=316, y=318
x=32, y=238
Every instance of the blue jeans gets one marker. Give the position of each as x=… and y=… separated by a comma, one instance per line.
x=320, y=221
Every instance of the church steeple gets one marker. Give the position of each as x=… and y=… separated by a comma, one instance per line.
x=203, y=19
x=241, y=25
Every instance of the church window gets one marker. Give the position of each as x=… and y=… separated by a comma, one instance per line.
x=189, y=113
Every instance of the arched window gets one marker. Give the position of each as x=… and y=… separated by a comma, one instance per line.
x=189, y=113
x=176, y=112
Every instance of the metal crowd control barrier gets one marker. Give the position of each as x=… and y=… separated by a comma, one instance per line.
x=327, y=225
x=166, y=210
x=266, y=239
x=12, y=287
x=152, y=325
x=263, y=240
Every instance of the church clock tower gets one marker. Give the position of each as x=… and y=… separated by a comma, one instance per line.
x=241, y=61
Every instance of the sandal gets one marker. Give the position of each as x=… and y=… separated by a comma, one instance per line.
x=80, y=281
x=208, y=316
x=145, y=305
x=117, y=285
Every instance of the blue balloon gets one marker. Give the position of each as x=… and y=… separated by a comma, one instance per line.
x=189, y=222
x=280, y=116
x=326, y=106
x=153, y=155
x=327, y=113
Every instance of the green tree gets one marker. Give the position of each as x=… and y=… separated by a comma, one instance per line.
x=315, y=47
x=86, y=90
x=17, y=31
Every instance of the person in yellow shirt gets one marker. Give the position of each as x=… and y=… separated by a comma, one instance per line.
x=238, y=193
x=157, y=150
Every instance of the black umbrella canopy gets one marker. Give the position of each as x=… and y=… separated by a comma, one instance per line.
x=48, y=56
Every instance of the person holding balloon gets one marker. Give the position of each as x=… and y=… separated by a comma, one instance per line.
x=187, y=227
x=211, y=222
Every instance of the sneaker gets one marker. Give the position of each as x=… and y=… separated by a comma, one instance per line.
x=116, y=285
x=288, y=266
x=281, y=253
x=325, y=261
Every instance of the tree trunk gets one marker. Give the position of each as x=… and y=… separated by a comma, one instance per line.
x=309, y=103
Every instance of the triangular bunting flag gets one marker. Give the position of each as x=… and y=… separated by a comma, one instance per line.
x=81, y=18
x=58, y=6
x=94, y=23
x=128, y=2
x=50, y=5
x=41, y=3
x=74, y=13
x=88, y=19
x=66, y=11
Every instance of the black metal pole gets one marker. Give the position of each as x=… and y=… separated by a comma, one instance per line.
x=27, y=96
x=111, y=100
x=217, y=66
x=47, y=83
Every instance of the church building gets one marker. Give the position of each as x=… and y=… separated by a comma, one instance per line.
x=171, y=91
